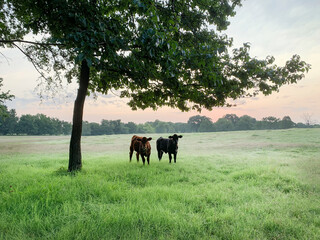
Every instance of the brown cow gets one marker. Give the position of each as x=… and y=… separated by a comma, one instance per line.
x=142, y=146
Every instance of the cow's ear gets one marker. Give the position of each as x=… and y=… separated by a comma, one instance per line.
x=138, y=139
x=170, y=136
x=149, y=139
x=180, y=136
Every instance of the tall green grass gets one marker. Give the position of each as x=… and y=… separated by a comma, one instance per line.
x=228, y=185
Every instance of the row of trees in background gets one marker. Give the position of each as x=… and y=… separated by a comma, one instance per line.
x=40, y=124
x=229, y=122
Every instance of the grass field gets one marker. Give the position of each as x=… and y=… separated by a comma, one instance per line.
x=227, y=185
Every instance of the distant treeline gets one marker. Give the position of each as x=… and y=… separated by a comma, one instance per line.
x=41, y=124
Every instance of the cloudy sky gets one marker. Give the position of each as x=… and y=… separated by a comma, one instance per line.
x=280, y=28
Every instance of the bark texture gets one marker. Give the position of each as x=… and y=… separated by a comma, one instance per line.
x=75, y=160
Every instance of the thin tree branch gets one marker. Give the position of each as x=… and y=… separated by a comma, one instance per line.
x=30, y=42
x=5, y=57
x=31, y=60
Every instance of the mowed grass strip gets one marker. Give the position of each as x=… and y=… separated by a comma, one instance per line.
x=227, y=185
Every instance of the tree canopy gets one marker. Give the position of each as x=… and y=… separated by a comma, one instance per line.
x=155, y=53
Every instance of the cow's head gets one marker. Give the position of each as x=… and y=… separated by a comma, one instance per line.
x=144, y=141
x=175, y=138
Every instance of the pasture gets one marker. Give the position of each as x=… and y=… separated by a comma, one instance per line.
x=226, y=185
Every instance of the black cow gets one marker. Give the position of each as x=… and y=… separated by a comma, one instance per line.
x=168, y=146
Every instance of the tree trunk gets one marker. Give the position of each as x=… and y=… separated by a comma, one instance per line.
x=75, y=142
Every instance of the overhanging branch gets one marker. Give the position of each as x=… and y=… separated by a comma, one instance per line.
x=13, y=41
x=31, y=60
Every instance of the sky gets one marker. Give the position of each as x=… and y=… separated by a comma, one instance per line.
x=280, y=28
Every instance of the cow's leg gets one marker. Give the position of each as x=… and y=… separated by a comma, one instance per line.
x=143, y=159
x=148, y=159
x=137, y=157
x=130, y=153
x=160, y=153
x=170, y=157
x=175, y=157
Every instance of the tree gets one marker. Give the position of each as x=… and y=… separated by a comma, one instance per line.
x=245, y=123
x=195, y=121
x=106, y=127
x=206, y=126
x=308, y=119
x=270, y=122
x=233, y=118
x=95, y=129
x=66, y=128
x=27, y=125
x=181, y=127
x=156, y=53
x=132, y=127
x=86, y=128
x=8, y=121
x=223, y=124
x=117, y=126
x=145, y=128
x=4, y=96
x=286, y=122
x=44, y=124
x=163, y=127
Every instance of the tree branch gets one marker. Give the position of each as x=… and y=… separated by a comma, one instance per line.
x=4, y=57
x=31, y=60
x=13, y=41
